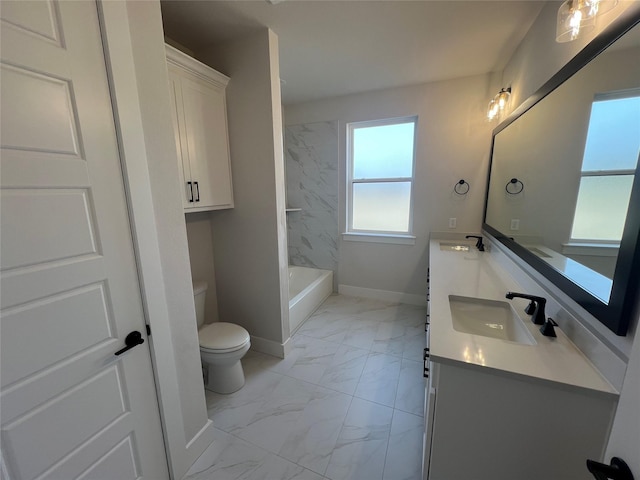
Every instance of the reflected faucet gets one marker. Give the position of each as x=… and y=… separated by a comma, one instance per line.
x=535, y=307
x=479, y=244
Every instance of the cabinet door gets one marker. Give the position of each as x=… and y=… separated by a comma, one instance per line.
x=177, y=117
x=429, y=417
x=207, y=143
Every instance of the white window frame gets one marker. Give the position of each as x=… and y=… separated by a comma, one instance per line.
x=378, y=236
x=582, y=245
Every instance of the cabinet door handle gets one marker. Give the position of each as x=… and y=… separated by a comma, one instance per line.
x=425, y=374
x=197, y=191
x=190, y=192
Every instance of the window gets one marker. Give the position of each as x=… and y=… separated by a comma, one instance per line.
x=380, y=166
x=608, y=168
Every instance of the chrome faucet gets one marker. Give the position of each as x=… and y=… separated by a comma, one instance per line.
x=535, y=307
x=479, y=244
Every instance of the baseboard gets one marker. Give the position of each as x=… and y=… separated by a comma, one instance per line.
x=269, y=347
x=288, y=346
x=199, y=443
x=384, y=295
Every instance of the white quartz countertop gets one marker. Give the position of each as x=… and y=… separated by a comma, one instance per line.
x=476, y=274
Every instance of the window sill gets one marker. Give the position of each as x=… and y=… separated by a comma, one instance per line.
x=397, y=239
x=591, y=248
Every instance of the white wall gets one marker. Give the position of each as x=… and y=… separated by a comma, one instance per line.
x=453, y=140
x=250, y=239
x=200, y=237
x=539, y=56
x=134, y=48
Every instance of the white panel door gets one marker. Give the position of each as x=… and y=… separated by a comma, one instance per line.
x=69, y=293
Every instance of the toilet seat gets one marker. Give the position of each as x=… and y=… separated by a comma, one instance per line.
x=222, y=337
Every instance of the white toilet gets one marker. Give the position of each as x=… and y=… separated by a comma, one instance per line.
x=222, y=345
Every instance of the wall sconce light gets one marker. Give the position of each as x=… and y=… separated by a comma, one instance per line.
x=576, y=17
x=498, y=103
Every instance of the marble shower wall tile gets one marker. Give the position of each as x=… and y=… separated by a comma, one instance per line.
x=311, y=152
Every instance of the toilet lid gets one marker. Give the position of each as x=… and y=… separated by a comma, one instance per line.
x=222, y=336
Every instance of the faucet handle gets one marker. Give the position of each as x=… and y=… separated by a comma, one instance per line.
x=547, y=329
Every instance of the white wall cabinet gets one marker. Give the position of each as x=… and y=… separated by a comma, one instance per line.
x=200, y=122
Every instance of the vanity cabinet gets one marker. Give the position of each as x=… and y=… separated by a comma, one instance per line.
x=498, y=409
x=484, y=424
x=199, y=114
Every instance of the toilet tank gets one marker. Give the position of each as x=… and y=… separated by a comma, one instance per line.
x=199, y=296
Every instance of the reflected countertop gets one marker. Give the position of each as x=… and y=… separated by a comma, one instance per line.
x=476, y=274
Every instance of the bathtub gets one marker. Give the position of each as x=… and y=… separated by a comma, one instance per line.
x=308, y=288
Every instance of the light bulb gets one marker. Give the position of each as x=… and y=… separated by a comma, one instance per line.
x=598, y=7
x=503, y=97
x=575, y=18
x=492, y=111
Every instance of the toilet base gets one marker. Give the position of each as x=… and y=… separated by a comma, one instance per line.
x=225, y=379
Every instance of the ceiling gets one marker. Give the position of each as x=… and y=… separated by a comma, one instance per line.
x=331, y=48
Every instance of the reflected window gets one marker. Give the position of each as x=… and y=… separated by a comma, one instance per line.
x=608, y=167
x=380, y=165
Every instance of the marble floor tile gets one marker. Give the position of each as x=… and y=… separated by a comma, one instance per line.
x=228, y=458
x=382, y=312
x=311, y=363
x=312, y=440
x=278, y=413
x=390, y=331
x=344, y=304
x=361, y=334
x=361, y=447
x=299, y=344
x=390, y=339
x=414, y=347
x=234, y=411
x=410, y=392
x=330, y=330
x=343, y=374
x=327, y=408
x=277, y=468
x=379, y=379
x=404, y=454
x=255, y=363
x=411, y=315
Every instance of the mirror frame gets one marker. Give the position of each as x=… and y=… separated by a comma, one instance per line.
x=617, y=313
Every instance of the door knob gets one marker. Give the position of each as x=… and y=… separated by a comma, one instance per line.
x=131, y=340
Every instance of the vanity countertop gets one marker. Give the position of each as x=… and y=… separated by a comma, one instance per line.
x=476, y=274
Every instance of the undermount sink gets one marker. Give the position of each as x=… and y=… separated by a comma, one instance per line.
x=454, y=247
x=489, y=318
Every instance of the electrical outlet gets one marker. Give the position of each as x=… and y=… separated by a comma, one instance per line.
x=453, y=223
x=515, y=224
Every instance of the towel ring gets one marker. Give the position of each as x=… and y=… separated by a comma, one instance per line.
x=517, y=187
x=460, y=189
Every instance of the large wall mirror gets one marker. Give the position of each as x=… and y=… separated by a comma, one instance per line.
x=564, y=181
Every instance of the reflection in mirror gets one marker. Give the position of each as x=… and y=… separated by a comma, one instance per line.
x=608, y=167
x=577, y=152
